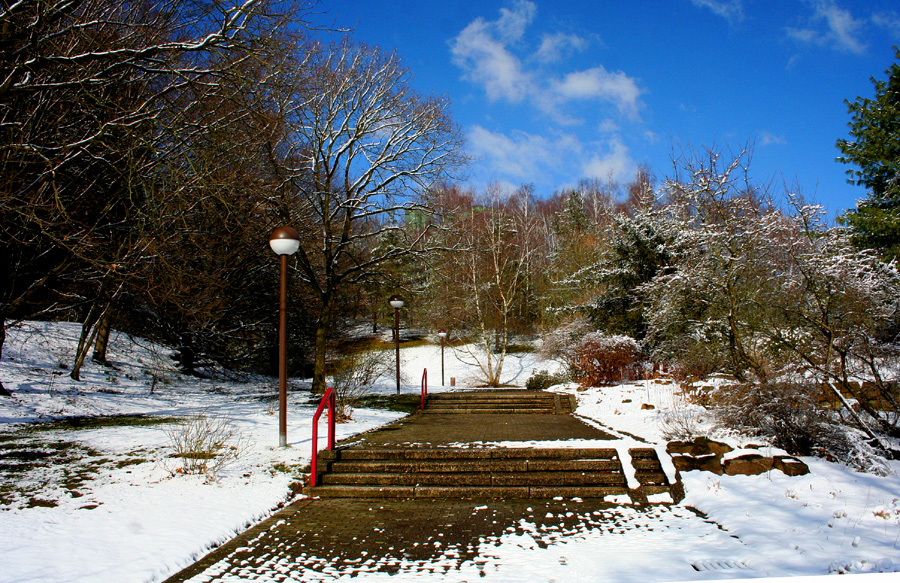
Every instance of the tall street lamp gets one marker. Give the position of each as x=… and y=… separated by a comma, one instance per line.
x=397, y=302
x=284, y=241
x=443, y=334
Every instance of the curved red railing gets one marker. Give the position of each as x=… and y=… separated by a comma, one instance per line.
x=424, y=388
x=330, y=398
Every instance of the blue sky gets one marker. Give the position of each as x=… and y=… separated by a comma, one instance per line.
x=550, y=92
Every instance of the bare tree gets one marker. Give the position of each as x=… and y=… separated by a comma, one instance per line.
x=364, y=149
x=483, y=277
x=85, y=88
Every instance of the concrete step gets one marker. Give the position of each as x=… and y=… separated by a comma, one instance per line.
x=490, y=405
x=470, y=472
x=490, y=401
x=387, y=453
x=532, y=411
x=512, y=403
x=648, y=469
x=474, y=492
x=482, y=472
x=551, y=478
x=449, y=467
x=475, y=396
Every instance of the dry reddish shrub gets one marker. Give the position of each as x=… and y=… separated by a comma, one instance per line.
x=600, y=359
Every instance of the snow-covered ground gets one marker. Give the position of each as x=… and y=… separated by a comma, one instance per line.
x=118, y=511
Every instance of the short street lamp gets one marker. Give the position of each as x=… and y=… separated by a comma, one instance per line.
x=443, y=334
x=284, y=241
x=397, y=302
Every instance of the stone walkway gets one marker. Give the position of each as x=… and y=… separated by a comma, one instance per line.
x=316, y=539
x=321, y=540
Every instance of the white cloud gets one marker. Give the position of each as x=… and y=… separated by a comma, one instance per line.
x=615, y=164
x=768, y=138
x=484, y=52
x=524, y=157
x=512, y=23
x=598, y=83
x=831, y=26
x=519, y=157
x=888, y=21
x=730, y=10
x=557, y=46
x=480, y=51
x=608, y=126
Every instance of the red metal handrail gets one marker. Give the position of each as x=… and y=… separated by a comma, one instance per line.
x=330, y=399
x=424, y=388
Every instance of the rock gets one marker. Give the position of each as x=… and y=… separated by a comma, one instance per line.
x=747, y=465
x=701, y=446
x=705, y=463
x=791, y=466
x=648, y=406
x=626, y=400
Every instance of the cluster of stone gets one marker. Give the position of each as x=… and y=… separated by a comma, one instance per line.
x=707, y=455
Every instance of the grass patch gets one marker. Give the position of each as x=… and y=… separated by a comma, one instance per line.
x=520, y=349
x=405, y=403
x=32, y=465
x=283, y=468
x=130, y=462
x=82, y=423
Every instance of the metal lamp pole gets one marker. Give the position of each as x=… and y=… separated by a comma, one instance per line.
x=284, y=241
x=443, y=334
x=397, y=302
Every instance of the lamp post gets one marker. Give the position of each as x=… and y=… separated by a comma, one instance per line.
x=397, y=302
x=443, y=334
x=284, y=241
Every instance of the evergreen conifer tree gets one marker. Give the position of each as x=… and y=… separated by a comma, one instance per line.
x=874, y=148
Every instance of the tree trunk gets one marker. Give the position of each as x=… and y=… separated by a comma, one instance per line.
x=187, y=357
x=322, y=325
x=88, y=333
x=102, y=342
x=3, y=391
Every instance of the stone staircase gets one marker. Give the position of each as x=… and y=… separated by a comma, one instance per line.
x=391, y=469
x=394, y=472
x=500, y=402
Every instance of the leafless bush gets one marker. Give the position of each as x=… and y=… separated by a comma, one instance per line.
x=600, y=359
x=354, y=378
x=852, y=447
x=205, y=444
x=787, y=413
x=790, y=415
x=558, y=343
x=680, y=424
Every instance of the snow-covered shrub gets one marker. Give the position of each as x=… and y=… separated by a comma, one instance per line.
x=600, y=359
x=542, y=380
x=356, y=373
x=558, y=343
x=852, y=447
x=787, y=413
x=205, y=444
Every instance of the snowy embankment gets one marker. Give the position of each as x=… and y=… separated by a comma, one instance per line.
x=132, y=518
x=112, y=509
x=115, y=510
x=833, y=520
